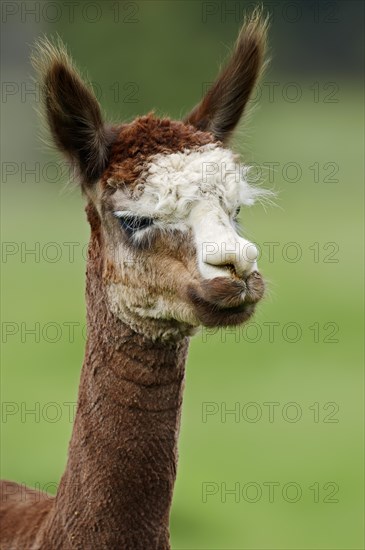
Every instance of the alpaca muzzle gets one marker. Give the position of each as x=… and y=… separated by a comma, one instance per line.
x=226, y=302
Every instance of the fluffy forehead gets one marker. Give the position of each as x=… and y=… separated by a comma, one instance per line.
x=138, y=141
x=171, y=183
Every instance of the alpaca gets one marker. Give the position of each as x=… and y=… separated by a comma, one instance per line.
x=164, y=258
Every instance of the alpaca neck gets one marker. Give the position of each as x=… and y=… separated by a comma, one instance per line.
x=117, y=489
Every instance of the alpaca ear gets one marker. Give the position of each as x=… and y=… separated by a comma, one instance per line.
x=221, y=108
x=72, y=111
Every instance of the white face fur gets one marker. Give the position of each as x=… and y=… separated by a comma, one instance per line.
x=201, y=190
x=196, y=192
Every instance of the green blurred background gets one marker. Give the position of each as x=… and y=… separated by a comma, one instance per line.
x=303, y=351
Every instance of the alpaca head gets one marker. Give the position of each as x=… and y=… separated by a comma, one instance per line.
x=164, y=196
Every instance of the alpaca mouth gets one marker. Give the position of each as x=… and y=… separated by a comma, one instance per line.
x=226, y=302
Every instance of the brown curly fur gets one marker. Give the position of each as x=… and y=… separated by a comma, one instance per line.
x=146, y=136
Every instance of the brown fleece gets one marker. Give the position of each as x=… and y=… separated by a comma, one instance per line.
x=146, y=136
x=117, y=487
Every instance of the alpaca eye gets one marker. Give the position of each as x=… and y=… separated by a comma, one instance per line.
x=237, y=213
x=131, y=224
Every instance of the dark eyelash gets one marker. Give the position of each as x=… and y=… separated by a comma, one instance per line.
x=131, y=224
x=237, y=213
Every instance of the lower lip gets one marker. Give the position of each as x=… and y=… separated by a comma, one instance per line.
x=244, y=310
x=232, y=310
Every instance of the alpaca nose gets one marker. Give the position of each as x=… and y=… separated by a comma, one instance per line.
x=238, y=256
